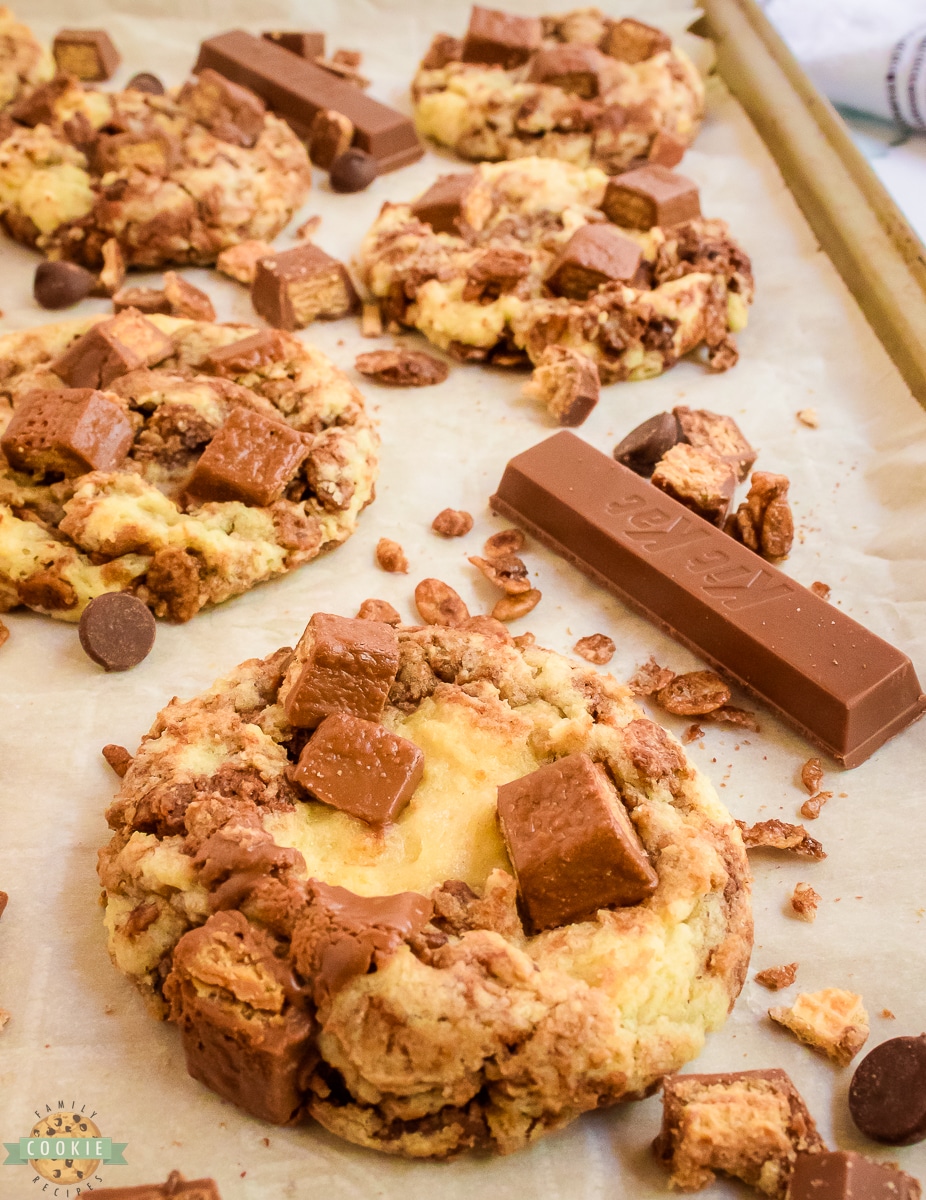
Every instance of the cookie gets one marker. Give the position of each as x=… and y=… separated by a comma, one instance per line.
x=24, y=61
x=576, y=91
x=123, y=471
x=488, y=268
x=174, y=178
x=381, y=980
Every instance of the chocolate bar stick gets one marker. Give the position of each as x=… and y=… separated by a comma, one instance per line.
x=836, y=682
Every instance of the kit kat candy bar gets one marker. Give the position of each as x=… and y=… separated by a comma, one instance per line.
x=840, y=685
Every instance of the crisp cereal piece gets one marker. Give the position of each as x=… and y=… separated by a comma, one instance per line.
x=452, y=522
x=378, y=610
x=650, y=678
x=439, y=604
x=512, y=608
x=776, y=978
x=812, y=775
x=729, y=714
x=391, y=557
x=764, y=521
x=821, y=589
x=804, y=901
x=694, y=694
x=780, y=835
x=808, y=417
x=503, y=543
x=811, y=807
x=598, y=648
x=833, y=1021
x=508, y=573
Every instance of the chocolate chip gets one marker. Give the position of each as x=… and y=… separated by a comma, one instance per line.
x=887, y=1098
x=145, y=82
x=117, y=631
x=352, y=171
x=61, y=284
x=644, y=446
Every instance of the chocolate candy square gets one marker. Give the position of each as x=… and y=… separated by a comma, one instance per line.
x=360, y=767
x=72, y=430
x=87, y=53
x=175, y=1188
x=340, y=665
x=307, y=44
x=113, y=348
x=571, y=843
x=296, y=286
x=153, y=152
x=441, y=206
x=595, y=254
x=577, y=69
x=633, y=41
x=845, y=1175
x=249, y=354
x=650, y=195
x=499, y=38
x=252, y=458
x=231, y=112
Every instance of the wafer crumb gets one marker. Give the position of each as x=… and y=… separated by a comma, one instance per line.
x=804, y=901
x=808, y=417
x=776, y=978
x=833, y=1021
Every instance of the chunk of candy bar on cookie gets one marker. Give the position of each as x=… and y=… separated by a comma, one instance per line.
x=360, y=767
x=340, y=665
x=633, y=41
x=307, y=44
x=71, y=430
x=500, y=38
x=175, y=1188
x=845, y=1175
x=650, y=195
x=152, y=152
x=294, y=287
x=124, y=343
x=252, y=458
x=595, y=254
x=441, y=206
x=571, y=843
x=87, y=53
x=697, y=478
x=249, y=354
x=231, y=112
x=577, y=69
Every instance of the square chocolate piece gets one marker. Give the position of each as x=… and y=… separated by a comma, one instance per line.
x=650, y=195
x=251, y=458
x=71, y=430
x=576, y=69
x=175, y=1188
x=845, y=1175
x=249, y=354
x=295, y=286
x=340, y=665
x=87, y=53
x=441, y=206
x=697, y=478
x=666, y=149
x=633, y=41
x=595, y=254
x=572, y=845
x=124, y=343
x=231, y=112
x=360, y=767
x=308, y=44
x=568, y=384
x=500, y=38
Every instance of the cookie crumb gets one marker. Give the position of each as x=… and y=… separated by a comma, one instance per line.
x=804, y=901
x=378, y=610
x=402, y=368
x=371, y=321
x=693, y=694
x=780, y=835
x=808, y=417
x=820, y=589
x=650, y=678
x=391, y=557
x=692, y=734
x=887, y=1014
x=308, y=229
x=729, y=714
x=775, y=978
x=4, y=632
x=240, y=262
x=186, y=300
x=118, y=758
x=812, y=775
x=833, y=1021
x=503, y=543
x=452, y=522
x=598, y=648
x=510, y=608
x=811, y=807
x=524, y=641
x=508, y=573
x=439, y=604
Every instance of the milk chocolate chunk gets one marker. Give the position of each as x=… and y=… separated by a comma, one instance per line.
x=72, y=431
x=352, y=171
x=835, y=681
x=294, y=287
x=331, y=133
x=152, y=152
x=845, y=1175
x=699, y=479
x=713, y=431
x=87, y=53
x=342, y=935
x=144, y=81
x=61, y=284
x=633, y=41
x=233, y=113
x=577, y=69
x=143, y=299
x=305, y=43
x=175, y=1188
x=360, y=767
x=567, y=382
x=38, y=106
x=644, y=446
x=249, y=354
x=666, y=149
x=340, y=665
x=252, y=458
x=295, y=90
x=500, y=38
x=650, y=195
x=124, y=343
x=595, y=254
x=571, y=843
x=887, y=1098
x=441, y=205
x=117, y=631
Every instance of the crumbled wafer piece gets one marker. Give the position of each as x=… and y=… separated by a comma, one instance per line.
x=371, y=321
x=118, y=758
x=693, y=694
x=87, y=53
x=186, y=300
x=391, y=557
x=764, y=521
x=650, y=678
x=378, y=610
x=597, y=648
x=233, y=113
x=567, y=383
x=4, y=901
x=808, y=417
x=508, y=573
x=780, y=835
x=729, y=714
x=112, y=348
x=452, y=522
x=144, y=299
x=503, y=543
x=804, y=901
x=812, y=775
x=240, y=262
x=439, y=604
x=68, y=430
x=112, y=273
x=776, y=978
x=820, y=589
x=697, y=478
x=811, y=807
x=402, y=368
x=348, y=58
x=846, y=1175
x=632, y=41
x=833, y=1021
x=510, y=608
x=714, y=431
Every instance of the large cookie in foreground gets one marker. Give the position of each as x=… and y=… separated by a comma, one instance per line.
x=182, y=460
x=580, y=87
x=491, y=267
x=380, y=978
x=174, y=178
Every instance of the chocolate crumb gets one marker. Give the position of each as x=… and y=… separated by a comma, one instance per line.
x=820, y=589
x=452, y=522
x=597, y=648
x=775, y=978
x=308, y=229
x=729, y=714
x=391, y=557
x=378, y=610
x=4, y=900
x=804, y=901
x=118, y=758
x=887, y=1014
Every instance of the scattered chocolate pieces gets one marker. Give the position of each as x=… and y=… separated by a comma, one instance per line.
x=452, y=522
x=87, y=53
x=439, y=604
x=632, y=41
x=780, y=835
x=845, y=1175
x=144, y=299
x=70, y=430
x=307, y=43
x=820, y=589
x=811, y=807
x=808, y=417
x=644, y=446
x=804, y=901
x=503, y=543
x=666, y=149
x=391, y=557
x=176, y=1188
x=887, y=1097
x=250, y=459
x=594, y=255
x=112, y=348
x=61, y=284
x=117, y=631
x=250, y=354
x=186, y=300
x=378, y=610
x=118, y=758
x=291, y=288
x=341, y=64
x=352, y=171
x=144, y=81
x=596, y=648
x=832, y=1021
x=698, y=478
x=512, y=608
x=776, y=978
x=650, y=678
x=567, y=382
x=508, y=573
x=650, y=195
x=500, y=38
x=402, y=368
x=441, y=206
x=764, y=522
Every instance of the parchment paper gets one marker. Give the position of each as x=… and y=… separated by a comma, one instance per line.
x=78, y=1030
